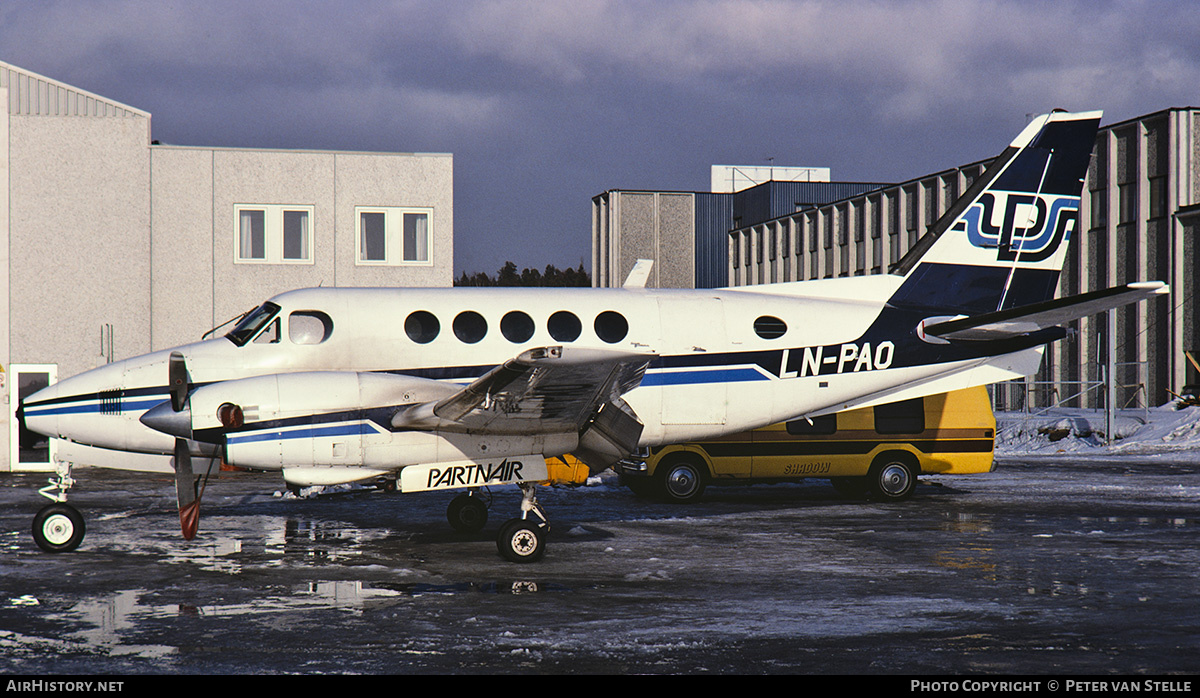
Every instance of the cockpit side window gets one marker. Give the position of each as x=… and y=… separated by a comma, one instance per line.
x=250, y=325
x=270, y=333
x=309, y=327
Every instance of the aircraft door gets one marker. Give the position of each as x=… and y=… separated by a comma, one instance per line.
x=693, y=391
x=28, y=450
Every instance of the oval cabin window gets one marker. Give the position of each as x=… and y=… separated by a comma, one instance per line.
x=469, y=326
x=611, y=326
x=563, y=326
x=516, y=326
x=422, y=327
x=769, y=327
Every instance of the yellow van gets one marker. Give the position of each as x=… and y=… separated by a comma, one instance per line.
x=874, y=451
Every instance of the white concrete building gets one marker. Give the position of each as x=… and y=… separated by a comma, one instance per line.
x=114, y=246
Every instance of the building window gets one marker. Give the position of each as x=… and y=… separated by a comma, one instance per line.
x=394, y=236
x=1158, y=197
x=1126, y=202
x=273, y=234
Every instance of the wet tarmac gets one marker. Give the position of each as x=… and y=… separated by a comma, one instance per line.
x=1048, y=567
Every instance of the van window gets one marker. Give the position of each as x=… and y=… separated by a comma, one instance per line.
x=309, y=327
x=823, y=425
x=904, y=417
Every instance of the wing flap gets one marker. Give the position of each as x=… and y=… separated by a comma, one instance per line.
x=542, y=391
x=1039, y=316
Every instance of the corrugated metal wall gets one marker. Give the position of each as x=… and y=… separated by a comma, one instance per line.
x=714, y=219
x=771, y=200
x=30, y=94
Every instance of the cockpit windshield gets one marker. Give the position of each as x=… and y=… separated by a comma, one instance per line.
x=252, y=323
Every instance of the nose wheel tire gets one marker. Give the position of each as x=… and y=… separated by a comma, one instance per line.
x=58, y=528
x=521, y=541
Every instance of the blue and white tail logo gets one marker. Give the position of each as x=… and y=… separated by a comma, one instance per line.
x=1004, y=242
x=1031, y=226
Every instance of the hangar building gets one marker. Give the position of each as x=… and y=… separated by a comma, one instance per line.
x=1139, y=219
x=115, y=245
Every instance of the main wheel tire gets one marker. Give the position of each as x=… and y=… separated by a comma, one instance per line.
x=521, y=541
x=682, y=479
x=892, y=477
x=467, y=514
x=58, y=528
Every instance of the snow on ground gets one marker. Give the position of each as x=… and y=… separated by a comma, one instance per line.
x=1161, y=430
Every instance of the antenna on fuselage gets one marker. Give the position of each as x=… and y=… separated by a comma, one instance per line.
x=639, y=275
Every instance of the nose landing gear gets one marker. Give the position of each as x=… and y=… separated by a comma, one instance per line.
x=58, y=527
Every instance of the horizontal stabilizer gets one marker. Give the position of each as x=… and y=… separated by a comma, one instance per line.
x=1039, y=316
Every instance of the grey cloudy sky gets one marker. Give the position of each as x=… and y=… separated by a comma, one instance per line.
x=545, y=104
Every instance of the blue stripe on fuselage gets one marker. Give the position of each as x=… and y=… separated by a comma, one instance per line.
x=731, y=375
x=356, y=429
x=122, y=407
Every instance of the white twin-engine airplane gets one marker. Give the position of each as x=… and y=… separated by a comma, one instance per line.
x=469, y=388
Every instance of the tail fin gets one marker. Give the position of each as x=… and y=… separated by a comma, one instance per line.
x=1003, y=243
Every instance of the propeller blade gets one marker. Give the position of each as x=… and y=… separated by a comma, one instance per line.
x=177, y=380
x=185, y=490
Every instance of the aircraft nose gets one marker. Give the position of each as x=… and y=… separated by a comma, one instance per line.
x=80, y=408
x=38, y=412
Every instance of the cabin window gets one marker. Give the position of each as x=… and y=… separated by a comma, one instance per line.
x=904, y=417
x=469, y=326
x=309, y=327
x=422, y=327
x=394, y=236
x=769, y=327
x=611, y=326
x=273, y=234
x=564, y=326
x=819, y=426
x=516, y=326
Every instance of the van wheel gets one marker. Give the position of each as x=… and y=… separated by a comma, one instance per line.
x=641, y=486
x=682, y=479
x=850, y=487
x=892, y=477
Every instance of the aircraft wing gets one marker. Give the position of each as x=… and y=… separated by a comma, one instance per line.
x=542, y=391
x=1039, y=316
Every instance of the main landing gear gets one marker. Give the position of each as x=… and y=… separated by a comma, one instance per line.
x=58, y=527
x=522, y=539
